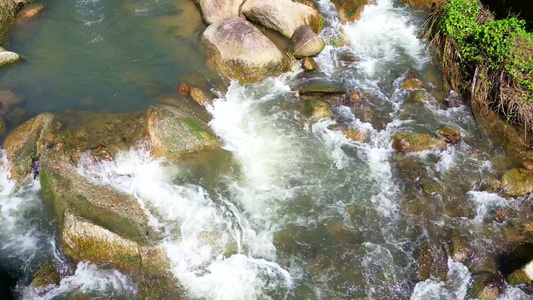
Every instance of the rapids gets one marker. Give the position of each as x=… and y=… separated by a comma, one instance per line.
x=301, y=212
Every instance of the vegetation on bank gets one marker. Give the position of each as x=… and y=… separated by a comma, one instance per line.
x=489, y=60
x=8, y=9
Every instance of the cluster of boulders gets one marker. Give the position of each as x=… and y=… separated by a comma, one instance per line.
x=239, y=49
x=99, y=223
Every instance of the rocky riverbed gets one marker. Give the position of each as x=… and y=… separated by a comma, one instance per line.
x=299, y=150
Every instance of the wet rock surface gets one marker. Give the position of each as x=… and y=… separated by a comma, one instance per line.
x=309, y=64
x=45, y=276
x=242, y=52
x=517, y=182
x=414, y=142
x=283, y=16
x=216, y=10
x=305, y=42
x=99, y=223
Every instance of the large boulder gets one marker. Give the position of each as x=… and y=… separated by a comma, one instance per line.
x=283, y=16
x=216, y=10
x=82, y=240
x=305, y=42
x=414, y=142
x=350, y=10
x=242, y=52
x=98, y=222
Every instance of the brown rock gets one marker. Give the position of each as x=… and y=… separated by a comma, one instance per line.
x=528, y=165
x=354, y=134
x=309, y=64
x=183, y=89
x=414, y=142
x=451, y=135
x=30, y=12
x=305, y=42
x=199, y=96
x=355, y=96
x=413, y=82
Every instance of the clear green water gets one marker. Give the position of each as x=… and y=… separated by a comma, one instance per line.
x=101, y=56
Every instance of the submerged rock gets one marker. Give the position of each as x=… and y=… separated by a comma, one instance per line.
x=45, y=276
x=418, y=96
x=199, y=96
x=451, y=135
x=309, y=64
x=432, y=261
x=517, y=182
x=354, y=134
x=305, y=43
x=315, y=110
x=242, y=52
x=350, y=10
x=8, y=101
x=321, y=86
x=486, y=286
x=30, y=11
x=413, y=82
x=216, y=10
x=283, y=16
x=414, y=142
x=458, y=248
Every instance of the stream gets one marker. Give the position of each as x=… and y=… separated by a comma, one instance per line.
x=301, y=212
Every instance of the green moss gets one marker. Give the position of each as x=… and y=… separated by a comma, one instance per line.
x=199, y=131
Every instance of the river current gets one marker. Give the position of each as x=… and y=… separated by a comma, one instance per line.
x=301, y=212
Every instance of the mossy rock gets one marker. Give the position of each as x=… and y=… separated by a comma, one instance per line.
x=418, y=96
x=84, y=241
x=518, y=182
x=315, y=110
x=350, y=10
x=21, y=145
x=486, y=286
x=104, y=206
x=178, y=132
x=459, y=250
x=45, y=276
x=413, y=82
x=354, y=134
x=320, y=86
x=414, y=142
x=99, y=223
x=451, y=135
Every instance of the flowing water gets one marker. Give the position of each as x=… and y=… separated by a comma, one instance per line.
x=302, y=212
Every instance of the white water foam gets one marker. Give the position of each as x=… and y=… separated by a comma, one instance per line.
x=220, y=247
x=382, y=34
x=486, y=202
x=87, y=279
x=454, y=288
x=20, y=238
